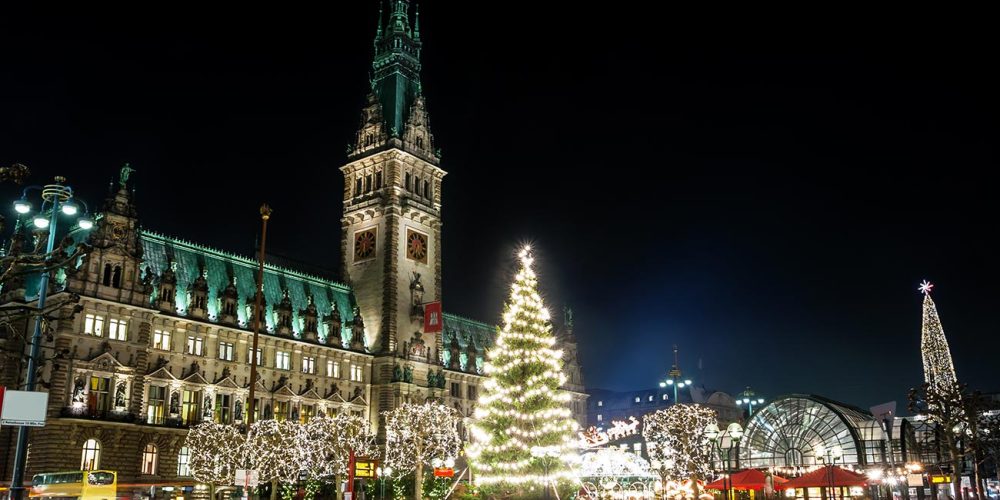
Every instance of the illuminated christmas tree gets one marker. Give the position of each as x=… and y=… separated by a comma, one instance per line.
x=939, y=370
x=524, y=433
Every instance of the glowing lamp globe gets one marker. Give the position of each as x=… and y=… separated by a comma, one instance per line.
x=41, y=222
x=70, y=208
x=22, y=206
x=85, y=222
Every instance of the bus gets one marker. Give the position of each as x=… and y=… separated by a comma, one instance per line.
x=77, y=485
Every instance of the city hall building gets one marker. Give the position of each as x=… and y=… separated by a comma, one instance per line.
x=163, y=339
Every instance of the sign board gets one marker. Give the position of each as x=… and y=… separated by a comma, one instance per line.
x=915, y=480
x=348, y=495
x=966, y=482
x=444, y=472
x=247, y=477
x=26, y=408
x=364, y=468
x=940, y=479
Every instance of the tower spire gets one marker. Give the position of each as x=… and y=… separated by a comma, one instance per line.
x=939, y=369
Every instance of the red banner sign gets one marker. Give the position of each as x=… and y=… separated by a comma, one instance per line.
x=433, y=322
x=444, y=472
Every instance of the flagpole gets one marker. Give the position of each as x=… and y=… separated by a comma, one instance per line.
x=265, y=214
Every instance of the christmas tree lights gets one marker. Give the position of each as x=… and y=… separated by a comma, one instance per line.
x=939, y=370
x=524, y=430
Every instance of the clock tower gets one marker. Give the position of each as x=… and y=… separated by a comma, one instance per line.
x=391, y=246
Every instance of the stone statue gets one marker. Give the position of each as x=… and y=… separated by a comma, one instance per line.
x=238, y=410
x=295, y=413
x=78, y=387
x=175, y=403
x=358, y=330
x=408, y=374
x=397, y=373
x=416, y=296
x=208, y=406
x=357, y=393
x=568, y=317
x=123, y=177
x=441, y=378
x=120, y=395
x=195, y=367
x=431, y=379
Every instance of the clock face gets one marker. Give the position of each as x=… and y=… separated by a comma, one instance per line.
x=416, y=246
x=118, y=231
x=364, y=245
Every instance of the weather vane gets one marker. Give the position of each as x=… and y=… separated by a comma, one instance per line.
x=925, y=287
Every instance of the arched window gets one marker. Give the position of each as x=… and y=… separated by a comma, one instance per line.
x=149, y=456
x=107, y=275
x=183, y=459
x=91, y=455
x=116, y=280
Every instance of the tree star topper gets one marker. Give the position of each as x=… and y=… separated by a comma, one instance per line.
x=925, y=287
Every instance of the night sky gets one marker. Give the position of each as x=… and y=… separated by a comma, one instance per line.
x=761, y=189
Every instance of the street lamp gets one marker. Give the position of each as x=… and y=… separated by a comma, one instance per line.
x=544, y=453
x=55, y=198
x=749, y=398
x=674, y=377
x=734, y=432
x=829, y=456
x=383, y=474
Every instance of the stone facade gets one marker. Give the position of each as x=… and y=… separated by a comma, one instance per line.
x=163, y=336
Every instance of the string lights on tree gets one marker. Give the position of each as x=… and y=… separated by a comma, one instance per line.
x=524, y=430
x=939, y=370
x=215, y=452
x=676, y=441
x=416, y=435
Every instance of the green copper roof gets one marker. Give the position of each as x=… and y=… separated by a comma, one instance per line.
x=464, y=330
x=396, y=66
x=219, y=266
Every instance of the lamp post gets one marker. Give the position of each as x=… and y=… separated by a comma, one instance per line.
x=265, y=214
x=734, y=432
x=674, y=377
x=383, y=474
x=749, y=398
x=544, y=454
x=56, y=198
x=829, y=457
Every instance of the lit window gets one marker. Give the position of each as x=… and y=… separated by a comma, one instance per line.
x=472, y=392
x=333, y=369
x=650, y=397
x=600, y=418
x=308, y=365
x=637, y=447
x=149, y=459
x=157, y=404
x=226, y=351
x=637, y=399
x=259, y=356
x=194, y=346
x=116, y=329
x=91, y=455
x=356, y=373
x=664, y=397
x=183, y=458
x=93, y=325
x=161, y=340
x=600, y=403
x=282, y=360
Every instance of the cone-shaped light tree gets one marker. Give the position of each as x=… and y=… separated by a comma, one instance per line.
x=939, y=370
x=523, y=434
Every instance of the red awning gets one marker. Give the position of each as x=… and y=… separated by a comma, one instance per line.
x=827, y=476
x=750, y=479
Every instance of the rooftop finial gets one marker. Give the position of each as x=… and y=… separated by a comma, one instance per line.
x=378, y=31
x=416, y=22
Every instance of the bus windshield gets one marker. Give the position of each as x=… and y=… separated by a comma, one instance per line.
x=100, y=478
